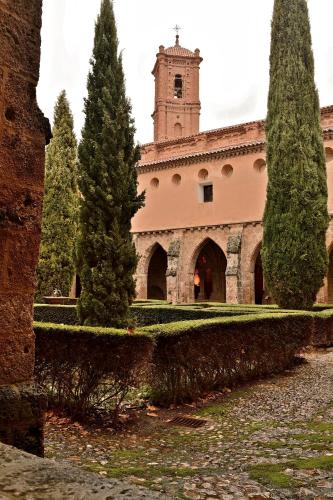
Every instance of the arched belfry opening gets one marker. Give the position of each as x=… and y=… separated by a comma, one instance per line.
x=178, y=87
x=157, y=284
x=330, y=278
x=209, y=273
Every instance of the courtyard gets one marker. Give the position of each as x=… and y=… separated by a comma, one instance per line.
x=268, y=440
x=166, y=317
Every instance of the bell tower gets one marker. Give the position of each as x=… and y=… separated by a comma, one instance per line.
x=177, y=102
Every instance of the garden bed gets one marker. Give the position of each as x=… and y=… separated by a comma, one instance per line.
x=147, y=313
x=85, y=367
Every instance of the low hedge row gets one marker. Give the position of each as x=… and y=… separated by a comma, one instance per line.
x=151, y=314
x=154, y=315
x=323, y=329
x=82, y=369
x=191, y=359
x=55, y=314
x=87, y=367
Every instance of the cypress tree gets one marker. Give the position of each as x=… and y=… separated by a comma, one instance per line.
x=296, y=217
x=59, y=228
x=108, y=182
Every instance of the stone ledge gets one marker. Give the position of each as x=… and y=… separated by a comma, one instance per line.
x=21, y=417
x=26, y=476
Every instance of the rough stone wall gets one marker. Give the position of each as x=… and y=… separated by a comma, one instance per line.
x=23, y=134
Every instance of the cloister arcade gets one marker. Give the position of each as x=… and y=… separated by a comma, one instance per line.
x=203, y=274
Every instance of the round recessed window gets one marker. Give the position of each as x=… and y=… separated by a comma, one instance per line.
x=203, y=174
x=259, y=165
x=329, y=154
x=227, y=170
x=155, y=182
x=176, y=179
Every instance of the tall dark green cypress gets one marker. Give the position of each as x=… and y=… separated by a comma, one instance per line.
x=296, y=217
x=108, y=156
x=56, y=266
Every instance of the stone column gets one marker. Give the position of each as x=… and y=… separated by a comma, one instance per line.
x=322, y=295
x=23, y=132
x=172, y=272
x=233, y=285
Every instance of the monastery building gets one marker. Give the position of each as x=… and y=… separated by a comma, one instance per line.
x=200, y=233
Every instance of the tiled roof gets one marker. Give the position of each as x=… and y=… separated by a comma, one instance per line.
x=177, y=50
x=221, y=152
x=227, y=151
x=230, y=128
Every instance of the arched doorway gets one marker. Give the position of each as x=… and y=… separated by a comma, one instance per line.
x=157, y=286
x=330, y=278
x=259, y=288
x=209, y=273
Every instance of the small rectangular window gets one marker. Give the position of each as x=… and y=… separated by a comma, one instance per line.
x=208, y=193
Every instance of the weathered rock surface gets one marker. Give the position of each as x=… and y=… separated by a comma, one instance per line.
x=23, y=134
x=26, y=476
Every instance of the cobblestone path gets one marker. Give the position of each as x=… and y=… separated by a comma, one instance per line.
x=273, y=439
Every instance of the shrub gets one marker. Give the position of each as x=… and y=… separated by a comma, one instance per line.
x=59, y=314
x=193, y=358
x=323, y=329
x=155, y=315
x=83, y=369
x=150, y=314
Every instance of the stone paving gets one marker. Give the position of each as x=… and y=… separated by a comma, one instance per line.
x=273, y=439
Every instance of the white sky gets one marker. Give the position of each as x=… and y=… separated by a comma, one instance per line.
x=233, y=36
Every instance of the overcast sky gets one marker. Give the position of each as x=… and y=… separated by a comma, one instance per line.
x=233, y=36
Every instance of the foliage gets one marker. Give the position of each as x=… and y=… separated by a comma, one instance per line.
x=296, y=219
x=323, y=329
x=142, y=314
x=56, y=314
x=85, y=368
x=82, y=366
x=59, y=229
x=108, y=182
x=194, y=358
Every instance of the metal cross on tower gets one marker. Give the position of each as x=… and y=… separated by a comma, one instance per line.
x=177, y=30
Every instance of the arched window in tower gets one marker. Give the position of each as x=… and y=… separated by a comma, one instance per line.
x=178, y=88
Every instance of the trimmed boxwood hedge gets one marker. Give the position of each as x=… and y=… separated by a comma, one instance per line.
x=323, y=329
x=58, y=314
x=146, y=313
x=181, y=361
x=82, y=368
x=193, y=358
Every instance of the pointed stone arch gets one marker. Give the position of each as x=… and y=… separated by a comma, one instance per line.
x=258, y=276
x=147, y=255
x=209, y=262
x=157, y=265
x=259, y=292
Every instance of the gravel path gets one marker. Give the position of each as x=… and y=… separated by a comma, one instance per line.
x=273, y=439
